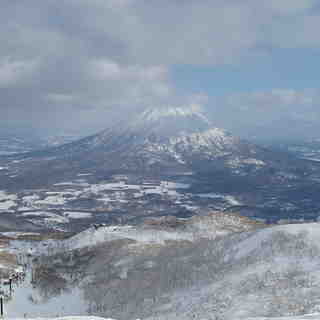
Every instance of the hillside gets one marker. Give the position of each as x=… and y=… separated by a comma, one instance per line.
x=220, y=266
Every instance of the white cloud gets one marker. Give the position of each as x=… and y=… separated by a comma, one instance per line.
x=283, y=113
x=16, y=71
x=194, y=31
x=285, y=99
x=286, y=7
x=127, y=85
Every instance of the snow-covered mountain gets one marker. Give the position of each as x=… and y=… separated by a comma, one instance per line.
x=166, y=138
x=162, y=140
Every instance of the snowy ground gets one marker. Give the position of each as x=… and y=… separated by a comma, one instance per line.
x=105, y=193
x=65, y=203
x=306, y=317
x=64, y=318
x=217, y=265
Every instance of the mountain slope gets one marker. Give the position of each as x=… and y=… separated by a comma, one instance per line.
x=180, y=272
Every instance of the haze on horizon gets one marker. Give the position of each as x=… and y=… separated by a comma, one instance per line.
x=77, y=65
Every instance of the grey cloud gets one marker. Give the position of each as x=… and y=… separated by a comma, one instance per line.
x=89, y=59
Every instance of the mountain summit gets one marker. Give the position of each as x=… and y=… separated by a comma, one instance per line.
x=173, y=120
x=165, y=122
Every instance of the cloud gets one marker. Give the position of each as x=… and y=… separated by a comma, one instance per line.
x=277, y=113
x=190, y=31
x=87, y=60
x=13, y=73
x=287, y=7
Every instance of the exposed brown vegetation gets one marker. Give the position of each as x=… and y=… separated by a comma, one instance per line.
x=45, y=236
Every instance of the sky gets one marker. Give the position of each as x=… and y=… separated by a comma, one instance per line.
x=77, y=65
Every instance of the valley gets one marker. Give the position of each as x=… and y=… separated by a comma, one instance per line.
x=74, y=205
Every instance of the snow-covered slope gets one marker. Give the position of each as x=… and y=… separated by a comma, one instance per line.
x=222, y=268
x=157, y=231
x=305, y=317
x=267, y=273
x=64, y=318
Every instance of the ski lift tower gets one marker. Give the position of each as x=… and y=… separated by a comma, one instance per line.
x=1, y=302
